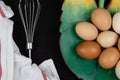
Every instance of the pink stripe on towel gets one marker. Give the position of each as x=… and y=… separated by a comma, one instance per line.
x=1, y=12
x=0, y=63
x=44, y=76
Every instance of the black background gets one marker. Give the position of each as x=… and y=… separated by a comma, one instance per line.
x=46, y=39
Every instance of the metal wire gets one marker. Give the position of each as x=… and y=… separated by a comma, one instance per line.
x=29, y=11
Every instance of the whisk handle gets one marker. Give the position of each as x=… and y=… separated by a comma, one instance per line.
x=29, y=47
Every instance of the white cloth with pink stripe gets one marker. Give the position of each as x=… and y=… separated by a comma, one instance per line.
x=13, y=65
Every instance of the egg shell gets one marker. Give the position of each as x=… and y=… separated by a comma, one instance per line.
x=86, y=31
x=116, y=22
x=119, y=44
x=117, y=69
x=109, y=57
x=88, y=50
x=107, y=39
x=101, y=18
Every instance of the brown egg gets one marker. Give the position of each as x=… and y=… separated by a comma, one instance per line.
x=119, y=44
x=101, y=18
x=88, y=50
x=86, y=31
x=109, y=57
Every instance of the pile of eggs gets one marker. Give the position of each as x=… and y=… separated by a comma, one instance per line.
x=102, y=40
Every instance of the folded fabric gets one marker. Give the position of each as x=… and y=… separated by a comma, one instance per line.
x=13, y=65
x=6, y=10
x=25, y=70
x=7, y=54
x=49, y=69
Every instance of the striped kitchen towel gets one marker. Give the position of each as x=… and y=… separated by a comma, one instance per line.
x=13, y=65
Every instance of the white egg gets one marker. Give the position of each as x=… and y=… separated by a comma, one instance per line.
x=107, y=39
x=116, y=22
x=117, y=70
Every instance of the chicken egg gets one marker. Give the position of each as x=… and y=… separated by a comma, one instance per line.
x=88, y=50
x=117, y=69
x=119, y=44
x=86, y=31
x=107, y=39
x=116, y=22
x=101, y=18
x=109, y=57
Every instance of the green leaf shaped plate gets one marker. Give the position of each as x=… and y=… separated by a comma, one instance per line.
x=72, y=14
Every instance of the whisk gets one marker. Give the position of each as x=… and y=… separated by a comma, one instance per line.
x=29, y=12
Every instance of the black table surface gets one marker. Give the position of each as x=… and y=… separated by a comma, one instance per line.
x=46, y=38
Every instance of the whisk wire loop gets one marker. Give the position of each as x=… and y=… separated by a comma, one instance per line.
x=29, y=11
